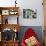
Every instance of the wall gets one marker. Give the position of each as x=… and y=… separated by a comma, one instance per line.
x=31, y=4
x=27, y=4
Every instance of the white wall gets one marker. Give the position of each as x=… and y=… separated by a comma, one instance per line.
x=27, y=4
x=32, y=4
x=6, y=3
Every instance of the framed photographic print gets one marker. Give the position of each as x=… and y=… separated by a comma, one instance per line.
x=5, y=12
x=28, y=13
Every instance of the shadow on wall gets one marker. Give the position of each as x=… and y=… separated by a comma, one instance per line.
x=37, y=29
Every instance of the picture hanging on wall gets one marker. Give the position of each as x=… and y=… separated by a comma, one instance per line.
x=28, y=13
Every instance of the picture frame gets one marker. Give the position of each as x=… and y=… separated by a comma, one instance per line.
x=5, y=12
x=28, y=13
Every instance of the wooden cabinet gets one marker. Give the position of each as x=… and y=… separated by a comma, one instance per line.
x=9, y=25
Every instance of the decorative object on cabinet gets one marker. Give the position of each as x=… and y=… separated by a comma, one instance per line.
x=5, y=12
x=13, y=12
x=28, y=13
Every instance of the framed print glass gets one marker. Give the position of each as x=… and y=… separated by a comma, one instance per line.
x=28, y=13
x=5, y=12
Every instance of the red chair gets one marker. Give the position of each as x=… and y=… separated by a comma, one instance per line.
x=29, y=33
